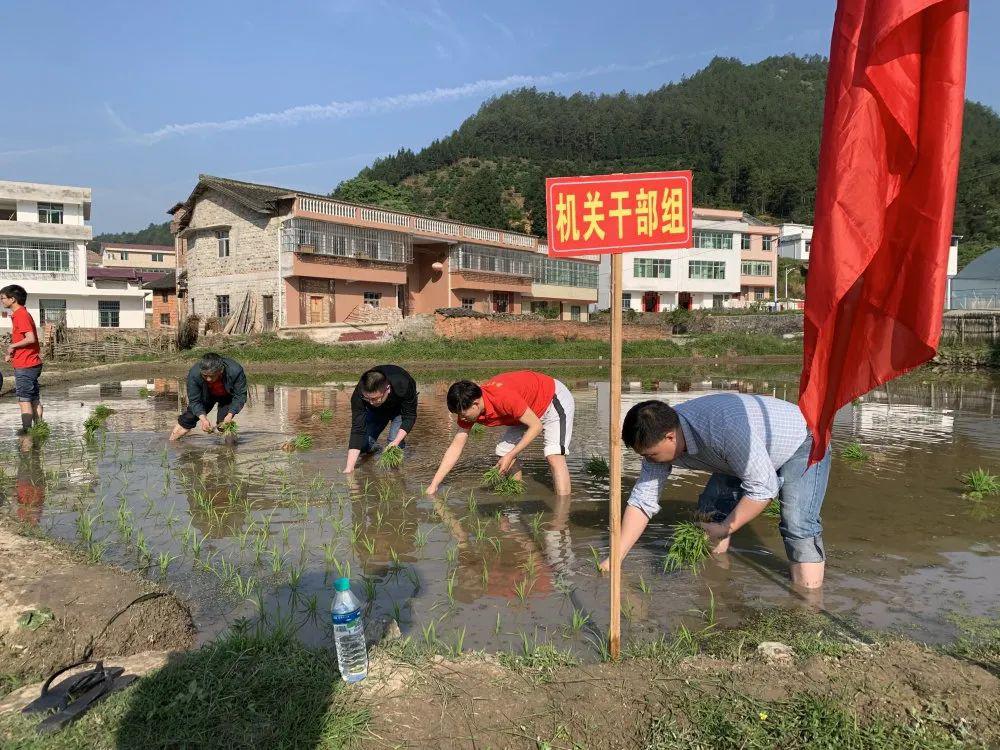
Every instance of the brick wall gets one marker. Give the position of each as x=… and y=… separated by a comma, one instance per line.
x=530, y=328
x=163, y=307
x=252, y=265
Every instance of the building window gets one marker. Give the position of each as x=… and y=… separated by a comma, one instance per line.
x=222, y=305
x=574, y=312
x=501, y=302
x=222, y=237
x=768, y=244
x=469, y=303
x=760, y=294
x=26, y=255
x=52, y=311
x=157, y=257
x=651, y=268
x=719, y=301
x=373, y=298
x=164, y=296
x=706, y=269
x=539, y=306
x=713, y=240
x=744, y=241
x=50, y=213
x=164, y=319
x=756, y=268
x=809, y=245
x=149, y=303
x=626, y=300
x=123, y=255
x=108, y=312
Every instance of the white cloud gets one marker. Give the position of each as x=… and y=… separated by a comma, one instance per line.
x=500, y=26
x=339, y=110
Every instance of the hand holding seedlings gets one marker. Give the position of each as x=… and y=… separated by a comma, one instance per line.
x=391, y=457
x=689, y=547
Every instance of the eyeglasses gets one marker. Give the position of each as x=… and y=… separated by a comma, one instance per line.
x=377, y=399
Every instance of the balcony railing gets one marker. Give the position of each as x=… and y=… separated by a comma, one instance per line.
x=306, y=236
x=468, y=257
x=565, y=273
x=35, y=259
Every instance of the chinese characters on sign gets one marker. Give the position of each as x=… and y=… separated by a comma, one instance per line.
x=618, y=213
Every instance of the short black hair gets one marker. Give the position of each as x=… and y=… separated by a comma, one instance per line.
x=373, y=381
x=211, y=362
x=647, y=423
x=462, y=394
x=16, y=292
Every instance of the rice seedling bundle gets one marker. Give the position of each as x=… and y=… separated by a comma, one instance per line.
x=689, y=548
x=502, y=484
x=391, y=457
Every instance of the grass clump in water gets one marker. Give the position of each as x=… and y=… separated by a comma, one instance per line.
x=144, y=393
x=298, y=443
x=597, y=466
x=228, y=428
x=326, y=415
x=981, y=483
x=391, y=457
x=689, y=548
x=40, y=430
x=102, y=412
x=854, y=452
x=502, y=484
x=477, y=430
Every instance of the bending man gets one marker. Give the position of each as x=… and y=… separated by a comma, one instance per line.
x=213, y=381
x=384, y=396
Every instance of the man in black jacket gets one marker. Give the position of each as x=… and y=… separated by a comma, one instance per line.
x=385, y=395
x=213, y=380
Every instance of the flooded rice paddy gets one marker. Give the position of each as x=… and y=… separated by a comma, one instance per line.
x=248, y=530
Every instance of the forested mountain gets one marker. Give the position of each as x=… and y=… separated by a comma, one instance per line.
x=750, y=133
x=154, y=234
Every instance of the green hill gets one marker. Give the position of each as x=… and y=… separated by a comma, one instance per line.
x=750, y=133
x=154, y=234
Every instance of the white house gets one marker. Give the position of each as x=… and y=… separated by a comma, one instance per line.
x=716, y=272
x=795, y=241
x=43, y=236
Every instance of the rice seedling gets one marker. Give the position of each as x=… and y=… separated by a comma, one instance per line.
x=420, y=538
x=773, y=509
x=326, y=415
x=535, y=522
x=854, y=452
x=689, y=548
x=643, y=586
x=85, y=525
x=450, y=587
x=530, y=567
x=312, y=608
x=391, y=457
x=163, y=561
x=456, y=649
x=499, y=626
x=144, y=392
x=595, y=558
x=142, y=546
x=501, y=484
x=40, y=431
x=980, y=482
x=580, y=619
x=430, y=633
x=477, y=430
x=228, y=429
x=495, y=543
x=451, y=554
x=102, y=412
x=91, y=425
x=284, y=537
x=294, y=578
x=343, y=571
x=277, y=561
x=413, y=577
x=481, y=529
x=369, y=544
x=96, y=551
x=124, y=521
x=472, y=502
x=485, y=575
x=300, y=442
x=522, y=588
x=597, y=466
x=244, y=587
x=196, y=544
x=562, y=585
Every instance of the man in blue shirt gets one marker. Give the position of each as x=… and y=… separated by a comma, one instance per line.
x=755, y=447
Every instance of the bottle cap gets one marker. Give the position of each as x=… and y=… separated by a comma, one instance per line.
x=342, y=584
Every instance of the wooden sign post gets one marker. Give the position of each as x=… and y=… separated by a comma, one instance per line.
x=611, y=215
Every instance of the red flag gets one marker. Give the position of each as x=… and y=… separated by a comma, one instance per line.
x=885, y=199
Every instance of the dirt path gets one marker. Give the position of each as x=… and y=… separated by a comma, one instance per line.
x=36, y=574
x=479, y=703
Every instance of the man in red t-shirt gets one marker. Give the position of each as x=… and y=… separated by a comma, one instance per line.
x=23, y=353
x=529, y=404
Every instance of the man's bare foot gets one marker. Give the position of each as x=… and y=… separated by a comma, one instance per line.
x=722, y=547
x=177, y=433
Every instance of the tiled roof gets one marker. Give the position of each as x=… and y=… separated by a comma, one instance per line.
x=167, y=281
x=100, y=272
x=133, y=246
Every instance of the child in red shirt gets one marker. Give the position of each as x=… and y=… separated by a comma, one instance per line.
x=24, y=353
x=527, y=403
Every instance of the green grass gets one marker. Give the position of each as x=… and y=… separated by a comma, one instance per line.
x=391, y=457
x=982, y=482
x=40, y=430
x=502, y=484
x=773, y=509
x=326, y=415
x=805, y=722
x=854, y=452
x=477, y=430
x=689, y=547
x=241, y=691
x=269, y=348
x=144, y=393
x=102, y=412
x=597, y=466
x=228, y=428
x=300, y=442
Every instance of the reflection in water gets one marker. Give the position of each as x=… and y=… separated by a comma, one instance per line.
x=906, y=549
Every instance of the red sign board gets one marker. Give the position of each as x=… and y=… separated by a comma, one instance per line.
x=618, y=213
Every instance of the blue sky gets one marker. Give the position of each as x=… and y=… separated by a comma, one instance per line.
x=134, y=99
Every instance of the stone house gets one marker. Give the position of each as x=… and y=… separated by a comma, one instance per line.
x=308, y=260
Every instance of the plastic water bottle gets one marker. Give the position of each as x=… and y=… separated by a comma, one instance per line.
x=348, y=632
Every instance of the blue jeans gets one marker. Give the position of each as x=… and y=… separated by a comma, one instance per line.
x=375, y=423
x=801, y=495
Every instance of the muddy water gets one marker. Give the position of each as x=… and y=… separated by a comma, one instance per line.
x=248, y=528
